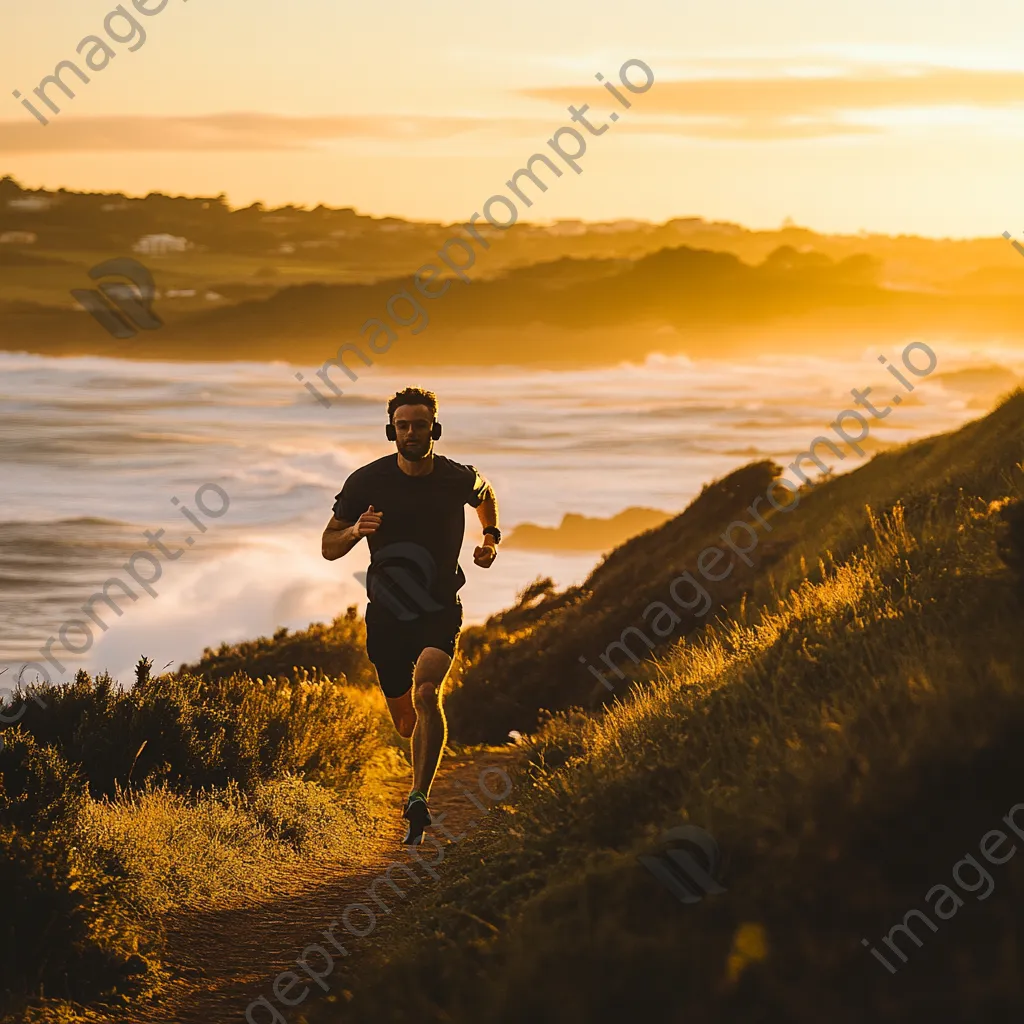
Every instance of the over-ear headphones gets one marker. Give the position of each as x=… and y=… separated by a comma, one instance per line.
x=392, y=434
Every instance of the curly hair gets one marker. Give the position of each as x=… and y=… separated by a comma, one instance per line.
x=412, y=396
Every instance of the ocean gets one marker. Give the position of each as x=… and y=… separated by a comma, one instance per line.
x=94, y=452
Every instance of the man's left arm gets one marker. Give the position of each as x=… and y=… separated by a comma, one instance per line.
x=487, y=512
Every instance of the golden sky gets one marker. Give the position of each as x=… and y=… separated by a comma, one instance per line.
x=892, y=116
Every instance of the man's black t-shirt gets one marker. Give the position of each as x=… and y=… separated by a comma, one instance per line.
x=422, y=511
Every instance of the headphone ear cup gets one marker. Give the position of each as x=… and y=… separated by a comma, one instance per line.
x=391, y=433
x=436, y=432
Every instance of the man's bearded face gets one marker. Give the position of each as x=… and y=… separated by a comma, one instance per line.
x=413, y=427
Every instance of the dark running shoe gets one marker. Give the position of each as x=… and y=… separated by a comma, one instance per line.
x=418, y=816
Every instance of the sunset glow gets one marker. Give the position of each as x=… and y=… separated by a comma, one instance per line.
x=891, y=117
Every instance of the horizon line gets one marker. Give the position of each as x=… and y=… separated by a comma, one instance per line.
x=308, y=208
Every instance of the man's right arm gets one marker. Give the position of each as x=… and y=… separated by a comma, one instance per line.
x=339, y=539
x=341, y=536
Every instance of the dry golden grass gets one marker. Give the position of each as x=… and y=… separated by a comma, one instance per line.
x=205, y=794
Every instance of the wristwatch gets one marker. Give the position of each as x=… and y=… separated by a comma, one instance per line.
x=494, y=532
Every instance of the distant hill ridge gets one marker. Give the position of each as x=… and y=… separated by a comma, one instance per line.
x=295, y=284
x=695, y=290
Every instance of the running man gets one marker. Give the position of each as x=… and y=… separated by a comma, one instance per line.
x=409, y=507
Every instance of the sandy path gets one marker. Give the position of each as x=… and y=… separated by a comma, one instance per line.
x=222, y=959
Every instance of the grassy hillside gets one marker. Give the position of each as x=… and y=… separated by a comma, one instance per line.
x=848, y=738
x=527, y=658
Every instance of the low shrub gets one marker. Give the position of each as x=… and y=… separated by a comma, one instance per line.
x=65, y=930
x=190, y=733
x=338, y=649
x=39, y=789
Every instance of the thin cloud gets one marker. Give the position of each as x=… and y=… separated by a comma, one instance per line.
x=748, y=131
x=241, y=131
x=802, y=106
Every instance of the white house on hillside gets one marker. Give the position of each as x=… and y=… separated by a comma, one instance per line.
x=30, y=204
x=160, y=245
x=567, y=228
x=18, y=238
x=618, y=227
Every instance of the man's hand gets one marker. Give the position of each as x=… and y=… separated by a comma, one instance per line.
x=368, y=522
x=485, y=555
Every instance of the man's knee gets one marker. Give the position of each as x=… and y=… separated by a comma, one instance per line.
x=426, y=694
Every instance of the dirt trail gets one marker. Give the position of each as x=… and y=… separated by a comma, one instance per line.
x=222, y=959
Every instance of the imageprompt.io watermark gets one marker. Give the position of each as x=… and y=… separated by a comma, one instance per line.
x=76, y=635
x=5, y=693
x=122, y=310
x=399, y=577
x=942, y=900
x=919, y=359
x=1016, y=245
x=359, y=919
x=688, y=870
x=96, y=53
x=403, y=308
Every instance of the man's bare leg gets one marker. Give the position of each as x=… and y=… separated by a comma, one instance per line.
x=403, y=714
x=431, y=731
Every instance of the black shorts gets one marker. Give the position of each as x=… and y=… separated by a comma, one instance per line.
x=394, y=645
